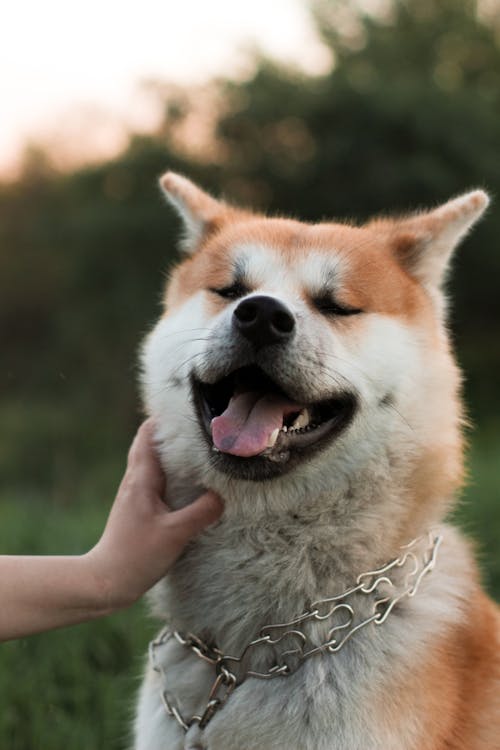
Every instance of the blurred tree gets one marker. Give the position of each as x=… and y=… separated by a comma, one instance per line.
x=408, y=116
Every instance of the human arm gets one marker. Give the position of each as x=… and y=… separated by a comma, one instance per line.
x=142, y=539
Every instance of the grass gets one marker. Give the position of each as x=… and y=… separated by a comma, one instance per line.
x=75, y=688
x=479, y=512
x=71, y=688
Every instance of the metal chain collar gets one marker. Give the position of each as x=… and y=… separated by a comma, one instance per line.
x=231, y=671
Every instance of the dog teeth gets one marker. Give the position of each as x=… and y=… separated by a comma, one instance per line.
x=273, y=437
x=285, y=428
x=302, y=420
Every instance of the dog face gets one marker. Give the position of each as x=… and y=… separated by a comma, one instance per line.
x=287, y=348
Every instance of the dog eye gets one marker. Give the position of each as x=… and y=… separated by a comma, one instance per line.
x=327, y=306
x=234, y=291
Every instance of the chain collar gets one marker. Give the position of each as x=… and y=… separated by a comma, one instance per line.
x=335, y=611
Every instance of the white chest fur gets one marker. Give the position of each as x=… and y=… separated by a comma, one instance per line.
x=340, y=700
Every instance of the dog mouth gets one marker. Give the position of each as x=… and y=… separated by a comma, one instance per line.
x=250, y=421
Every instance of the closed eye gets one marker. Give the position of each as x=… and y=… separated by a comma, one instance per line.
x=327, y=306
x=233, y=291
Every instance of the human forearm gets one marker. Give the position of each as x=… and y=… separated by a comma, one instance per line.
x=41, y=593
x=142, y=539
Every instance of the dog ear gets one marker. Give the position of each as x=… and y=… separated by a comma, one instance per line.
x=200, y=213
x=424, y=243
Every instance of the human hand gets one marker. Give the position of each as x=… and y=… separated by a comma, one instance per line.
x=143, y=537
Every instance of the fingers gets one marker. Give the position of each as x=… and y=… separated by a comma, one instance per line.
x=143, y=441
x=143, y=457
x=144, y=467
x=191, y=520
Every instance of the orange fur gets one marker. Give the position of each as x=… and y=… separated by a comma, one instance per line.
x=456, y=684
x=376, y=281
x=455, y=687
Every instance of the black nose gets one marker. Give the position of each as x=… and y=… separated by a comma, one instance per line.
x=264, y=320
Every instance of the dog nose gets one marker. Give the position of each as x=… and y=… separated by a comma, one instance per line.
x=264, y=320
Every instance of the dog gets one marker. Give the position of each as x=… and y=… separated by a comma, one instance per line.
x=304, y=372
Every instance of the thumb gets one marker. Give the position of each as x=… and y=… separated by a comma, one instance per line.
x=191, y=520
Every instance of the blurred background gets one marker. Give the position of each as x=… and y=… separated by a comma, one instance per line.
x=319, y=109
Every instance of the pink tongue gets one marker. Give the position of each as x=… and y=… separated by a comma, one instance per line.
x=245, y=427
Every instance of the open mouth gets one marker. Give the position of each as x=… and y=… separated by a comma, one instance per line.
x=257, y=430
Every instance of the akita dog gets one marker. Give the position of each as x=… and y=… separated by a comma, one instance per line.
x=303, y=371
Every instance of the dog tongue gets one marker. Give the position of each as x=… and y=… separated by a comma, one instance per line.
x=245, y=427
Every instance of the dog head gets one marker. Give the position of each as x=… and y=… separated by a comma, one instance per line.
x=287, y=348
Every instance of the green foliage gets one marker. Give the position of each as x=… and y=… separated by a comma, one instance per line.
x=74, y=687
x=479, y=511
x=407, y=117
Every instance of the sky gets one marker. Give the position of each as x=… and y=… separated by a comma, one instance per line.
x=70, y=72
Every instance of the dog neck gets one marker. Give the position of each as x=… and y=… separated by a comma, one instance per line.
x=280, y=546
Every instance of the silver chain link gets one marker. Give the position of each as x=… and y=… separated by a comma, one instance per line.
x=231, y=671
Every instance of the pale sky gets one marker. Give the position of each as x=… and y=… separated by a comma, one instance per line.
x=72, y=68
